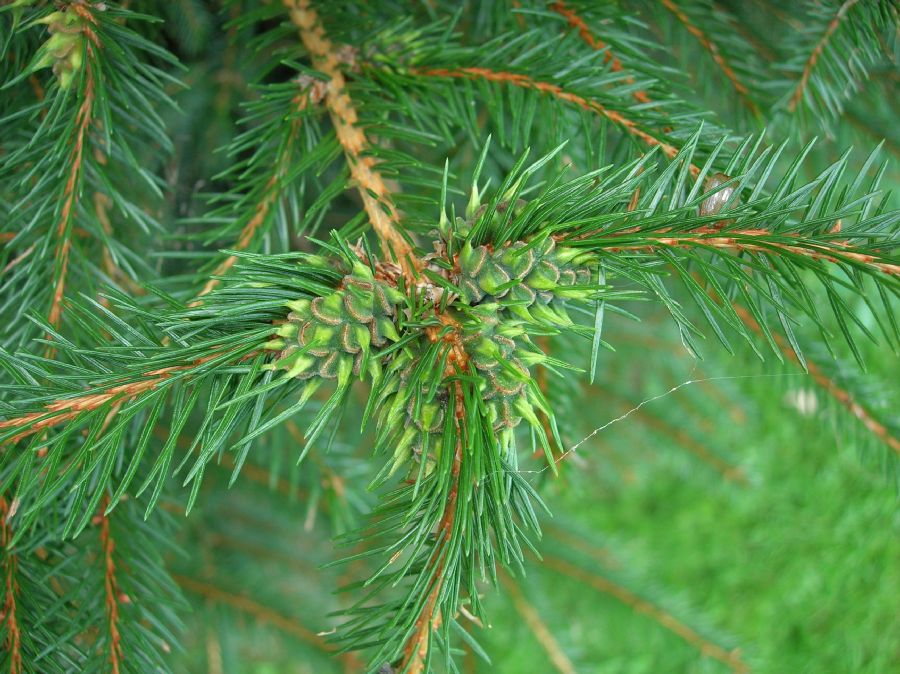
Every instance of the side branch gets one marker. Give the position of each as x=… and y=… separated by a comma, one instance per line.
x=752, y=240
x=269, y=196
x=111, y=589
x=71, y=193
x=542, y=633
x=817, y=52
x=556, y=91
x=66, y=409
x=579, y=24
x=373, y=191
x=263, y=614
x=715, y=53
x=842, y=395
x=12, y=644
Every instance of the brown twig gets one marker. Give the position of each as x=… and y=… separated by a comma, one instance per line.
x=525, y=82
x=111, y=588
x=13, y=642
x=817, y=52
x=542, y=633
x=640, y=605
x=376, y=197
x=584, y=32
x=716, y=54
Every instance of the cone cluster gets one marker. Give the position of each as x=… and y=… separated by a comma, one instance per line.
x=530, y=279
x=332, y=336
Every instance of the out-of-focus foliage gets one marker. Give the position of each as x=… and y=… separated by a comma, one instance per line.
x=559, y=303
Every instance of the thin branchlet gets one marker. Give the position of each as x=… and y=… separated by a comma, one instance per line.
x=72, y=189
x=730, y=658
x=111, y=590
x=588, y=37
x=816, y=53
x=12, y=642
x=526, y=82
x=716, y=53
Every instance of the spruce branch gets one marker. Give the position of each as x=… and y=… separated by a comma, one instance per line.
x=838, y=45
x=763, y=241
x=82, y=122
x=418, y=645
x=264, y=614
x=816, y=53
x=111, y=589
x=63, y=410
x=829, y=385
x=312, y=94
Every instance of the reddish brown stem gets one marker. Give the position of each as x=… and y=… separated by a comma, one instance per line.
x=12, y=644
x=715, y=53
x=579, y=24
x=262, y=613
x=741, y=239
x=817, y=52
x=416, y=650
x=65, y=409
x=542, y=633
x=71, y=192
x=111, y=588
x=526, y=82
x=269, y=196
x=840, y=394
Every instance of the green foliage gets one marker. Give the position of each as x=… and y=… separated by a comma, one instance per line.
x=383, y=280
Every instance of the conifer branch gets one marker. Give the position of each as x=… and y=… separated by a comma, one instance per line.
x=764, y=241
x=12, y=643
x=542, y=633
x=376, y=198
x=716, y=54
x=526, y=82
x=817, y=52
x=659, y=615
x=584, y=32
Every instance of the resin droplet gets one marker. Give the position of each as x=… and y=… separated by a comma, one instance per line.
x=715, y=202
